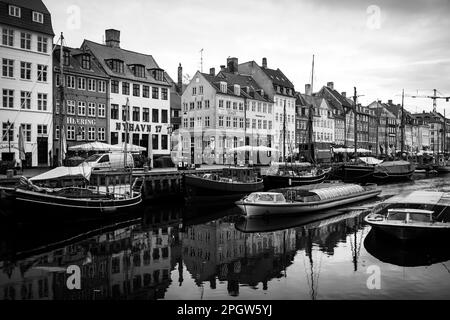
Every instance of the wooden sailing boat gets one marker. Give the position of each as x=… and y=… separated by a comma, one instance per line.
x=297, y=174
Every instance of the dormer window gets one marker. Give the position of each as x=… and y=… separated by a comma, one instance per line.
x=14, y=11
x=223, y=87
x=86, y=61
x=115, y=65
x=138, y=70
x=66, y=58
x=38, y=17
x=237, y=89
x=158, y=74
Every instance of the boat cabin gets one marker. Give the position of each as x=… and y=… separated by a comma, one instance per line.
x=266, y=197
x=408, y=215
x=240, y=174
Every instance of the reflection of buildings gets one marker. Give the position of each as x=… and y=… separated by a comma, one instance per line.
x=132, y=262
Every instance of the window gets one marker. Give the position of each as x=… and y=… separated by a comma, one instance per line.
x=146, y=91
x=25, y=40
x=38, y=17
x=185, y=123
x=164, y=116
x=91, y=85
x=146, y=115
x=155, y=141
x=14, y=11
x=136, y=90
x=42, y=73
x=101, y=134
x=253, y=123
x=191, y=122
x=42, y=44
x=42, y=101
x=220, y=121
x=66, y=58
x=164, y=142
x=8, y=131
x=138, y=70
x=125, y=88
x=70, y=82
x=241, y=106
x=42, y=129
x=8, y=37
x=26, y=128
x=86, y=61
x=91, y=133
x=25, y=70
x=155, y=93
x=70, y=107
x=194, y=91
x=81, y=108
x=220, y=103
x=114, y=86
x=81, y=133
x=206, y=121
x=70, y=132
x=253, y=106
x=101, y=86
x=136, y=114
x=81, y=84
x=91, y=109
x=25, y=100
x=241, y=123
x=115, y=111
x=164, y=93
x=101, y=110
x=155, y=115
x=199, y=104
x=228, y=104
x=228, y=122
x=8, y=68
x=116, y=65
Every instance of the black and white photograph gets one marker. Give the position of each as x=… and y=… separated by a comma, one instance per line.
x=245, y=152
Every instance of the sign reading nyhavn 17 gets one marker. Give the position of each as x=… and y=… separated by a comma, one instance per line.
x=135, y=127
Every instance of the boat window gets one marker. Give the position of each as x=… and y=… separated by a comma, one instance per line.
x=397, y=216
x=265, y=197
x=105, y=158
x=280, y=198
x=419, y=217
x=93, y=158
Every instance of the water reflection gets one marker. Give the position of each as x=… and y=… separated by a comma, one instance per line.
x=170, y=252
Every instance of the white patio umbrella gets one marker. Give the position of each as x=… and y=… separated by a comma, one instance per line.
x=253, y=148
x=95, y=146
x=130, y=147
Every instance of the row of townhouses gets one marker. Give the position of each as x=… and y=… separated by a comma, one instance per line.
x=109, y=90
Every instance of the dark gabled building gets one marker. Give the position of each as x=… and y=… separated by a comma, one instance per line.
x=86, y=92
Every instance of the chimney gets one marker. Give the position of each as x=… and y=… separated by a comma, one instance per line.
x=212, y=71
x=112, y=37
x=222, y=68
x=344, y=94
x=330, y=85
x=264, y=62
x=232, y=64
x=180, y=79
x=308, y=89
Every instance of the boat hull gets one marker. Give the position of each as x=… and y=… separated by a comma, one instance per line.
x=405, y=233
x=31, y=206
x=206, y=190
x=365, y=173
x=275, y=209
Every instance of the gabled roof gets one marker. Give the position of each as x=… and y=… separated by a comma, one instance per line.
x=75, y=63
x=104, y=53
x=278, y=77
x=26, y=20
x=343, y=101
x=231, y=79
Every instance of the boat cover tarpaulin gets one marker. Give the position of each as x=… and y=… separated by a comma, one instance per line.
x=398, y=167
x=81, y=171
x=370, y=160
x=420, y=197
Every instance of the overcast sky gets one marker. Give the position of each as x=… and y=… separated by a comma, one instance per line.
x=379, y=46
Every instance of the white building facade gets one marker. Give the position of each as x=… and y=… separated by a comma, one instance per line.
x=26, y=83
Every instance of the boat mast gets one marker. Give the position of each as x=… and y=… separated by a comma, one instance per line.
x=61, y=104
x=310, y=127
x=403, y=124
x=284, y=132
x=127, y=112
x=355, y=126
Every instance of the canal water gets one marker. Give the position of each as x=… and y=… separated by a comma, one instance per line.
x=173, y=252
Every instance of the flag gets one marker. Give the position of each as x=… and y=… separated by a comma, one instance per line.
x=21, y=144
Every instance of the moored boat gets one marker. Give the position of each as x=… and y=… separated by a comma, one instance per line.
x=294, y=175
x=413, y=215
x=307, y=199
x=230, y=184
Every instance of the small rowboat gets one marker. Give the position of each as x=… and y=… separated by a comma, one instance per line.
x=307, y=199
x=412, y=215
